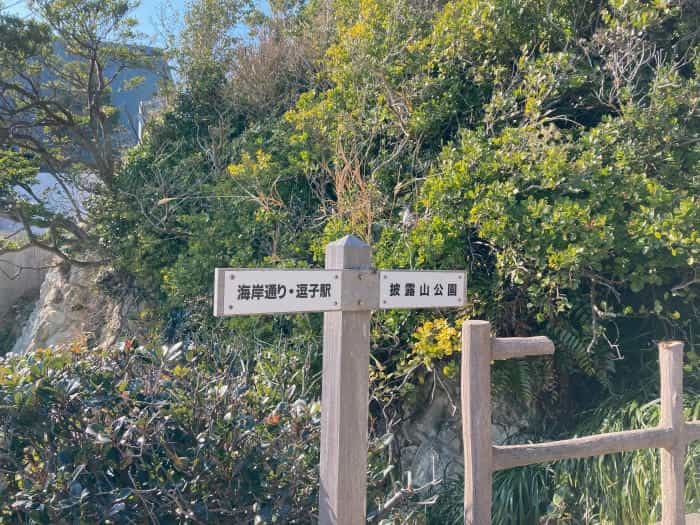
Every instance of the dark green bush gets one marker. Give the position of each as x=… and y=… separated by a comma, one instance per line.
x=168, y=435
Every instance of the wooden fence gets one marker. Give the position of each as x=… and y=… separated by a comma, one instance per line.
x=482, y=458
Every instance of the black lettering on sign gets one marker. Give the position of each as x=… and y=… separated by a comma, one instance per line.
x=394, y=289
x=313, y=290
x=243, y=292
x=424, y=290
x=270, y=291
x=281, y=291
x=302, y=291
x=325, y=290
x=438, y=289
x=451, y=289
x=258, y=291
x=410, y=290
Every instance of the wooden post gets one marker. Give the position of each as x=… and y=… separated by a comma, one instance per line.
x=476, y=418
x=672, y=457
x=345, y=398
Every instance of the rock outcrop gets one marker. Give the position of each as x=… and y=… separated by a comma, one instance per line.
x=73, y=306
x=431, y=438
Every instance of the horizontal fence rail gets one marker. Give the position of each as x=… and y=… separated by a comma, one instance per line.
x=482, y=458
x=506, y=457
x=513, y=347
x=692, y=430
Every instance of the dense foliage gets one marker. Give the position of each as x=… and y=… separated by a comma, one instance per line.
x=550, y=148
x=173, y=434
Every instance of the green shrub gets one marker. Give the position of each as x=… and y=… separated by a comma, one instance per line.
x=169, y=435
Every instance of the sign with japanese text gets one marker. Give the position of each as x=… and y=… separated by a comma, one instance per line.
x=258, y=291
x=246, y=292
x=421, y=289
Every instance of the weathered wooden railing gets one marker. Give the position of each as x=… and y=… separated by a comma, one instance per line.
x=482, y=458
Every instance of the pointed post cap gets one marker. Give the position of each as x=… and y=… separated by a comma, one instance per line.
x=349, y=240
x=349, y=252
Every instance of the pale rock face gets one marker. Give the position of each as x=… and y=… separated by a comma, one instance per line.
x=71, y=308
x=431, y=439
x=53, y=329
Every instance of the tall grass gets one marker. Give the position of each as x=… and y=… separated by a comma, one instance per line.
x=621, y=489
x=617, y=489
x=520, y=497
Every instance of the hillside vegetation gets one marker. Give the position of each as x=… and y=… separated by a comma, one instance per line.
x=551, y=149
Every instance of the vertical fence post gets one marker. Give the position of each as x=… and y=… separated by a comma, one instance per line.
x=672, y=458
x=476, y=418
x=344, y=399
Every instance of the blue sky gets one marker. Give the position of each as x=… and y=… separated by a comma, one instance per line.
x=148, y=14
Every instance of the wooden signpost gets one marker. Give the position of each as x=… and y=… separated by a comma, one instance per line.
x=346, y=291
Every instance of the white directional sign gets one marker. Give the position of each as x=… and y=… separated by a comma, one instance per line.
x=246, y=292
x=421, y=289
x=254, y=291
